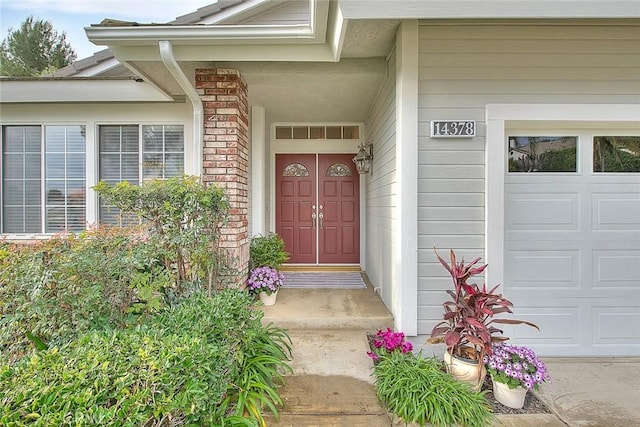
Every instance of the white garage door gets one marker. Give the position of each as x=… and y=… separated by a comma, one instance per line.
x=572, y=241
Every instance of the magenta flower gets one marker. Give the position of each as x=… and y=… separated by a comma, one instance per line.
x=385, y=342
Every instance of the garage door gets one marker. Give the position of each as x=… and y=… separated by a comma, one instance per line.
x=572, y=241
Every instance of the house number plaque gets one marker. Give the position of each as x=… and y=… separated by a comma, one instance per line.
x=453, y=128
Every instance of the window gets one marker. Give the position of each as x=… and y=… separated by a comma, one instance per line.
x=318, y=132
x=124, y=158
x=33, y=189
x=616, y=154
x=163, y=154
x=65, y=180
x=542, y=153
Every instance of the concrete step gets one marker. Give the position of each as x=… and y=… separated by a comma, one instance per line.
x=288, y=420
x=354, y=309
x=333, y=400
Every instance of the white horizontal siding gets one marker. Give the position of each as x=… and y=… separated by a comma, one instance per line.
x=380, y=199
x=464, y=67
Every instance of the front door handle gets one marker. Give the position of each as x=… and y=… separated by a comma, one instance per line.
x=320, y=218
x=313, y=220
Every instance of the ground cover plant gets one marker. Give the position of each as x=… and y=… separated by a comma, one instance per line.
x=417, y=390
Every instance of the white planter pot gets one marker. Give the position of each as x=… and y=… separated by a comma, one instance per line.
x=471, y=371
x=268, y=299
x=511, y=397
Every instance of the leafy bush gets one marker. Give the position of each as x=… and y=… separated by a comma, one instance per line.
x=205, y=362
x=185, y=217
x=418, y=390
x=57, y=289
x=267, y=251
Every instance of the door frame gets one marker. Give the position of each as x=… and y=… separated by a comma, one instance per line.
x=315, y=146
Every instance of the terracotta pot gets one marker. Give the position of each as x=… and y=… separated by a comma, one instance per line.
x=268, y=299
x=511, y=397
x=468, y=370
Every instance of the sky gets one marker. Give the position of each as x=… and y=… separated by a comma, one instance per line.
x=71, y=16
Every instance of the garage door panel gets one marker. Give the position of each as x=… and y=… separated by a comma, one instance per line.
x=616, y=269
x=614, y=326
x=543, y=269
x=558, y=325
x=541, y=211
x=617, y=211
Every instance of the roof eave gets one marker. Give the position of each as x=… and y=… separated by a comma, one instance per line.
x=74, y=89
x=206, y=34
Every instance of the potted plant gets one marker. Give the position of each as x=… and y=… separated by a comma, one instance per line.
x=265, y=282
x=266, y=256
x=267, y=251
x=469, y=327
x=514, y=370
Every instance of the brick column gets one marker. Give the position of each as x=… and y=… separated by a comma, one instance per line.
x=225, y=154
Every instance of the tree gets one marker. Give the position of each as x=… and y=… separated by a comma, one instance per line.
x=34, y=49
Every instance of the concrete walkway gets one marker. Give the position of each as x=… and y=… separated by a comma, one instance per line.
x=332, y=384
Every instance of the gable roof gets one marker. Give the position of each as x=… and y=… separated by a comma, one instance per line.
x=206, y=11
x=104, y=61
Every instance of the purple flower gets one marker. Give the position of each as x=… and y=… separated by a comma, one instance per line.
x=516, y=366
x=264, y=279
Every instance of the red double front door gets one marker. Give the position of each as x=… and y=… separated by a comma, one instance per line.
x=318, y=208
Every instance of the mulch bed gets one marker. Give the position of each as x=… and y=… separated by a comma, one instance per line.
x=532, y=405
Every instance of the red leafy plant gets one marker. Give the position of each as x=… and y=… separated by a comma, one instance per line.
x=468, y=326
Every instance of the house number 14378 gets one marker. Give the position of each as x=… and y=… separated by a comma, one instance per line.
x=453, y=128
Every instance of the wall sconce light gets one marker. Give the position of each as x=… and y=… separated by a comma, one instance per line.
x=363, y=158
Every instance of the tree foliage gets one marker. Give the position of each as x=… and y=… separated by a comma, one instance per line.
x=34, y=49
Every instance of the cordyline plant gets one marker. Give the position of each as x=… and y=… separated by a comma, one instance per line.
x=468, y=327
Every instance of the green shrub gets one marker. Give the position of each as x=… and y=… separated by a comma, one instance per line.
x=185, y=217
x=205, y=362
x=267, y=251
x=55, y=290
x=417, y=390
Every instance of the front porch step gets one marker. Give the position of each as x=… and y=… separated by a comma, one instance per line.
x=331, y=401
x=351, y=309
x=295, y=420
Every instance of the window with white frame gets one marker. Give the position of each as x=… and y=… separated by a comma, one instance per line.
x=43, y=178
x=136, y=153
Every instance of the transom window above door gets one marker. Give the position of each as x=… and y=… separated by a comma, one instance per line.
x=318, y=132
